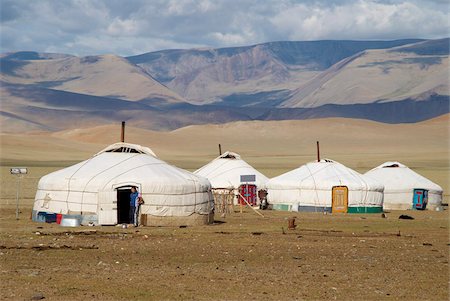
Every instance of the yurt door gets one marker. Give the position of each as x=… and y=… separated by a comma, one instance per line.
x=420, y=199
x=339, y=199
x=107, y=208
x=248, y=191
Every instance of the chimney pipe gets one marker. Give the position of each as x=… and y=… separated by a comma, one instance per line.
x=122, y=135
x=220, y=150
x=318, y=152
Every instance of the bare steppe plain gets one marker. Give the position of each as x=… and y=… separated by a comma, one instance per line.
x=242, y=256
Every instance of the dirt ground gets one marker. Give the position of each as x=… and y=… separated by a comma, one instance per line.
x=240, y=257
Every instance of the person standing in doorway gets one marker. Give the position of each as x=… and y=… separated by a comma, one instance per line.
x=135, y=202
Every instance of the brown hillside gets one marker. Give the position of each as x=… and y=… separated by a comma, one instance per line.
x=103, y=75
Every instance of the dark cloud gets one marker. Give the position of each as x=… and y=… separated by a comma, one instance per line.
x=9, y=10
x=135, y=26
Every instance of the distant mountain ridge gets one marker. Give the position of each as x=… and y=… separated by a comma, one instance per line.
x=103, y=75
x=206, y=75
x=406, y=72
x=389, y=81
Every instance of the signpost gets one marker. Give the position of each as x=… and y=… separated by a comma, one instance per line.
x=248, y=178
x=18, y=172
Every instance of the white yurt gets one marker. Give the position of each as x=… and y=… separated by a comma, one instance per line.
x=402, y=185
x=230, y=172
x=97, y=191
x=325, y=186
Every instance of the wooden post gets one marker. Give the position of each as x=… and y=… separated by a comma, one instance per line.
x=318, y=152
x=220, y=150
x=17, y=197
x=250, y=205
x=122, y=134
x=291, y=223
x=230, y=201
x=240, y=201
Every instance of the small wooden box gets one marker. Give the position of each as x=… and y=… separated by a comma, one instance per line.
x=144, y=219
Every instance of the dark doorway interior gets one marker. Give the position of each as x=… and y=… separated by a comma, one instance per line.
x=123, y=205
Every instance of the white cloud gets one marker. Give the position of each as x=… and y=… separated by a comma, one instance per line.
x=228, y=38
x=119, y=27
x=137, y=26
x=189, y=7
x=362, y=19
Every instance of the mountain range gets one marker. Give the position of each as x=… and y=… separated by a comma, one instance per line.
x=389, y=81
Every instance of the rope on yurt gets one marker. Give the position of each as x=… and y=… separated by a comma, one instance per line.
x=364, y=184
x=300, y=193
x=337, y=175
x=68, y=186
x=365, y=197
x=220, y=166
x=195, y=191
x=227, y=170
x=206, y=175
x=94, y=176
x=315, y=188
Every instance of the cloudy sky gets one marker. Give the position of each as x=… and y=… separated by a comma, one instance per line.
x=127, y=27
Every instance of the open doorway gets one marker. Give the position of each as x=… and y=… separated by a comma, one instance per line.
x=123, y=205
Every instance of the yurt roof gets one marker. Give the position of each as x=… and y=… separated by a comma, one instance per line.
x=323, y=175
x=398, y=177
x=122, y=147
x=111, y=168
x=225, y=171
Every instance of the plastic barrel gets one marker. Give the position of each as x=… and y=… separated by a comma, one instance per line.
x=58, y=218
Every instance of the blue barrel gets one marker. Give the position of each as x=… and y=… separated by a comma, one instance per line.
x=40, y=217
x=50, y=218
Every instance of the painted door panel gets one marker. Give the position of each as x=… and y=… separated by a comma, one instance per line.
x=420, y=199
x=339, y=199
x=249, y=192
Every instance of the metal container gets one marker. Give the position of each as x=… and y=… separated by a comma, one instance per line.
x=40, y=217
x=89, y=220
x=70, y=222
x=50, y=218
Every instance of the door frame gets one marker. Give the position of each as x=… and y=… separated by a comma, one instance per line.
x=123, y=202
x=107, y=203
x=247, y=185
x=424, y=198
x=333, y=206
